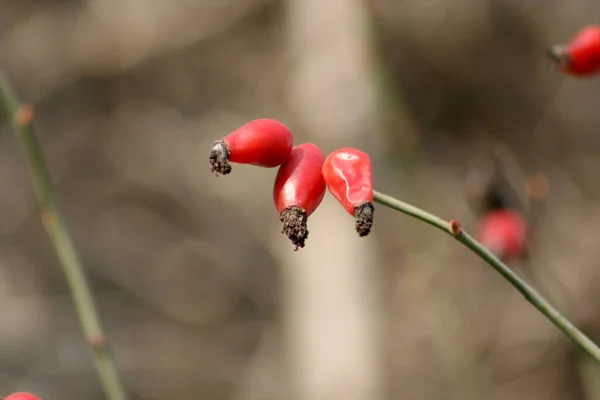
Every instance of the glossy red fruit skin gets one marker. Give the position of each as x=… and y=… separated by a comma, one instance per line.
x=299, y=181
x=349, y=177
x=581, y=57
x=505, y=233
x=22, y=396
x=298, y=190
x=263, y=142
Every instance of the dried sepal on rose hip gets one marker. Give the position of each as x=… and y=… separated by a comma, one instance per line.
x=22, y=396
x=581, y=57
x=298, y=190
x=263, y=142
x=349, y=177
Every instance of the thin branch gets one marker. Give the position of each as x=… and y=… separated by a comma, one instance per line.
x=20, y=117
x=453, y=228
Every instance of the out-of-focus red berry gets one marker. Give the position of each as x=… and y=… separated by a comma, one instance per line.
x=349, y=178
x=22, y=396
x=581, y=57
x=504, y=232
x=298, y=190
x=263, y=142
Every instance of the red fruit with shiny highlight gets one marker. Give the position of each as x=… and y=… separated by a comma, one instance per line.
x=349, y=177
x=504, y=232
x=22, y=396
x=298, y=190
x=263, y=142
x=581, y=57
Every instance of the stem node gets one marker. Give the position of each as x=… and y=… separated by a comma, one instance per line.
x=455, y=228
x=24, y=114
x=97, y=342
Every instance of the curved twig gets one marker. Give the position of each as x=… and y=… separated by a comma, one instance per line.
x=531, y=295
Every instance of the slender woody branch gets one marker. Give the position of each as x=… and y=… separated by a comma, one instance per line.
x=20, y=117
x=531, y=295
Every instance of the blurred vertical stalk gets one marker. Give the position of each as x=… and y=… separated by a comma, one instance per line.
x=20, y=117
x=333, y=320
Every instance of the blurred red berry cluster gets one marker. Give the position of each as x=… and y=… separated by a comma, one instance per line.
x=503, y=225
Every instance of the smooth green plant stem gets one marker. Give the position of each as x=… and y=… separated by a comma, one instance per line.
x=20, y=117
x=453, y=228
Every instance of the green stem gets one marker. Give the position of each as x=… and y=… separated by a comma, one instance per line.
x=20, y=116
x=530, y=294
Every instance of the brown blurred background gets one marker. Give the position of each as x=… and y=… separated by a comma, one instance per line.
x=200, y=294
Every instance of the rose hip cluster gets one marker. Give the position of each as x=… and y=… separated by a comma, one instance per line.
x=304, y=174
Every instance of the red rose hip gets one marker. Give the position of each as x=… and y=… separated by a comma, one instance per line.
x=299, y=189
x=22, y=396
x=504, y=232
x=263, y=142
x=581, y=57
x=349, y=177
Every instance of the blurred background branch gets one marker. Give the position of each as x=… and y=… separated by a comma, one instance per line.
x=22, y=116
